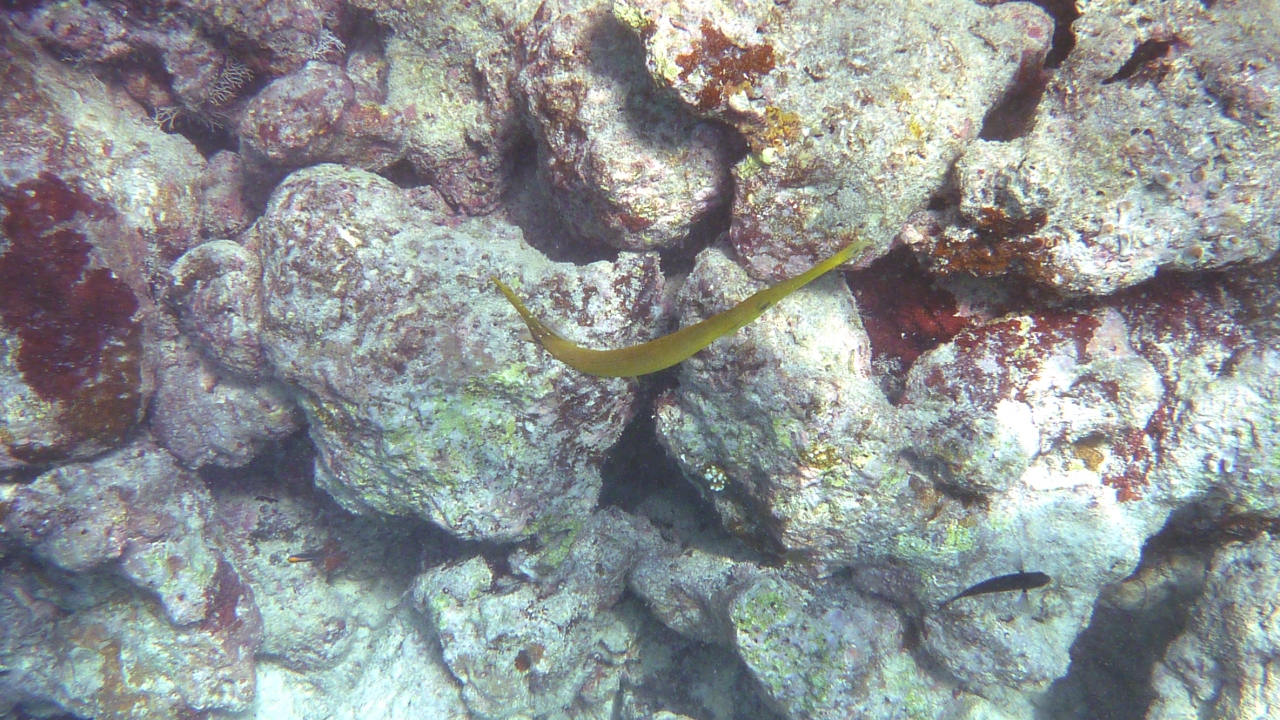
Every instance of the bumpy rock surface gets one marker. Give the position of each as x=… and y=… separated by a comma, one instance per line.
x=1225, y=664
x=278, y=36
x=207, y=416
x=136, y=506
x=136, y=611
x=628, y=165
x=879, y=450
x=1153, y=146
x=91, y=194
x=398, y=673
x=689, y=592
x=1057, y=440
x=339, y=638
x=313, y=115
x=451, y=78
x=808, y=468
x=833, y=653
x=540, y=648
x=216, y=293
x=272, y=38
x=215, y=403
x=225, y=211
x=420, y=394
x=853, y=111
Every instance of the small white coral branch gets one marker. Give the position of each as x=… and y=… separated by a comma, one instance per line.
x=164, y=116
x=326, y=42
x=233, y=76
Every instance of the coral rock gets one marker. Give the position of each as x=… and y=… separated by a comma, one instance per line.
x=1152, y=147
x=1223, y=665
x=311, y=116
x=225, y=211
x=207, y=416
x=451, y=79
x=421, y=397
x=852, y=123
x=539, y=649
x=93, y=194
x=627, y=165
x=137, y=612
x=217, y=291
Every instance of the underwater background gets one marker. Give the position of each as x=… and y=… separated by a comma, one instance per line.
x=274, y=445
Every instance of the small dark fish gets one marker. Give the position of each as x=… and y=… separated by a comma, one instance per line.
x=265, y=498
x=1004, y=583
x=331, y=556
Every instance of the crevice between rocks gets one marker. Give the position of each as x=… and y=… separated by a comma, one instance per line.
x=527, y=204
x=1146, y=52
x=1015, y=115
x=1064, y=14
x=1135, y=621
x=637, y=467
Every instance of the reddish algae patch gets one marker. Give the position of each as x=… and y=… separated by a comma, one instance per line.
x=79, y=344
x=223, y=600
x=905, y=314
x=728, y=66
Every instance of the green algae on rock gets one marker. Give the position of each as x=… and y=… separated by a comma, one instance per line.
x=420, y=400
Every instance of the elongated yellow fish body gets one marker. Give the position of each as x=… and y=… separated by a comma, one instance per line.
x=662, y=353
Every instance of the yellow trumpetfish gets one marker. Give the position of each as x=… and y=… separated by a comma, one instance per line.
x=662, y=353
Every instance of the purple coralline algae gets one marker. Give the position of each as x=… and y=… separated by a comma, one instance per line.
x=138, y=612
x=626, y=164
x=313, y=115
x=91, y=196
x=420, y=395
x=273, y=446
x=1153, y=147
x=853, y=111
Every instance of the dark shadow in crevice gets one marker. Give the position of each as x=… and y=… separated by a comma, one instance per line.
x=680, y=685
x=659, y=125
x=637, y=466
x=1064, y=14
x=1146, y=52
x=209, y=136
x=1015, y=115
x=947, y=196
x=660, y=121
x=656, y=114
x=529, y=205
x=679, y=259
x=403, y=174
x=359, y=31
x=286, y=471
x=209, y=130
x=210, y=125
x=639, y=477
x=21, y=5
x=21, y=476
x=1135, y=622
